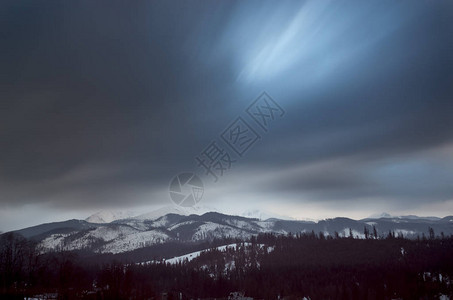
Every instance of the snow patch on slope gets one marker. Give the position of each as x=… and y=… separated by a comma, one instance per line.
x=357, y=235
x=212, y=230
x=135, y=241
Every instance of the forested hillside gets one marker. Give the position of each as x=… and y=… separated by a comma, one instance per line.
x=265, y=267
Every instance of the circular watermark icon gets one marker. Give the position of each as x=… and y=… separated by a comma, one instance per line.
x=186, y=189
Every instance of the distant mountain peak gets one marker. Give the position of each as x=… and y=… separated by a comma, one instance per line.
x=381, y=215
x=108, y=216
x=263, y=215
x=174, y=209
x=385, y=215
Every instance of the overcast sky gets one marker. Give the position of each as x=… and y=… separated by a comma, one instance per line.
x=102, y=103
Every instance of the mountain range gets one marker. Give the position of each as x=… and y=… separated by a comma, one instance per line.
x=114, y=233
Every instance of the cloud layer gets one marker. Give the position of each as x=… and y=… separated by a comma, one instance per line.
x=101, y=105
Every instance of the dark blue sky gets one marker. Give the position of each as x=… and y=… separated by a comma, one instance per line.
x=103, y=103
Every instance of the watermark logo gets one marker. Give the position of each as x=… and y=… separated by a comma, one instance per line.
x=218, y=157
x=186, y=189
x=240, y=136
x=215, y=160
x=264, y=110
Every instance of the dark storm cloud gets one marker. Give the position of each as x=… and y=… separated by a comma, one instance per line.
x=106, y=102
x=92, y=86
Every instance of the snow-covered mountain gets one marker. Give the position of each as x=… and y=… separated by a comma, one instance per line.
x=173, y=209
x=184, y=227
x=381, y=215
x=107, y=216
x=263, y=215
x=385, y=215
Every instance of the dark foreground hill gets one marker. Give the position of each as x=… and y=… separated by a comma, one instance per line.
x=269, y=266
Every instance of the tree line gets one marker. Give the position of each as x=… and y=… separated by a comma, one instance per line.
x=267, y=266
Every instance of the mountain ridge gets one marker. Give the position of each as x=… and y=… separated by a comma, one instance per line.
x=130, y=234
